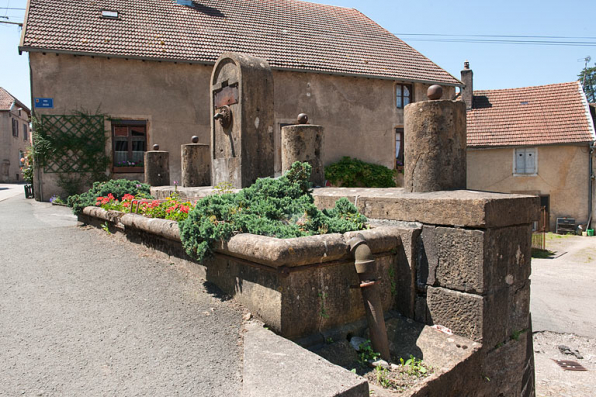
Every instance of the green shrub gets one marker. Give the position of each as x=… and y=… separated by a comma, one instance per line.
x=118, y=188
x=349, y=172
x=282, y=207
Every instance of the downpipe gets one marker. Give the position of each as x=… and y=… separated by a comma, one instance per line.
x=366, y=269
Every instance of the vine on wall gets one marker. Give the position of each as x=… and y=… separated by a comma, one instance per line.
x=72, y=146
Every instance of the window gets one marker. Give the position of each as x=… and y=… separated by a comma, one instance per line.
x=525, y=161
x=403, y=95
x=15, y=127
x=109, y=14
x=399, y=147
x=21, y=159
x=129, y=143
x=25, y=132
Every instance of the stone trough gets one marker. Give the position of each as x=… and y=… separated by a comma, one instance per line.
x=298, y=286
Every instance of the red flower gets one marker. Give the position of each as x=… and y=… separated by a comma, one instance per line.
x=111, y=196
x=128, y=197
x=184, y=208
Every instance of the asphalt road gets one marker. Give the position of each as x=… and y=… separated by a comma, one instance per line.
x=85, y=314
x=563, y=291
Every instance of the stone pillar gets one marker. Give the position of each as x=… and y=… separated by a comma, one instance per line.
x=196, y=164
x=304, y=143
x=242, y=147
x=157, y=167
x=435, y=146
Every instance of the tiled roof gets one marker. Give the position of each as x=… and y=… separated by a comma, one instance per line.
x=290, y=34
x=530, y=116
x=6, y=101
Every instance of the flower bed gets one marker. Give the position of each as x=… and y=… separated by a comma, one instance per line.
x=171, y=208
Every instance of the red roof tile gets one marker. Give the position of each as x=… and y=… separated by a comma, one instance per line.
x=6, y=101
x=290, y=34
x=530, y=116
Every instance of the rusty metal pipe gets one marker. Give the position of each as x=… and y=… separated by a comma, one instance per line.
x=366, y=269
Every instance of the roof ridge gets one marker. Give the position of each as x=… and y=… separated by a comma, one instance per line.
x=527, y=87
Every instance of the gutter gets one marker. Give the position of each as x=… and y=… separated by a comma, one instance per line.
x=209, y=63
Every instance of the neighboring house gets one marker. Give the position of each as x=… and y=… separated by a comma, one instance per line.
x=534, y=140
x=147, y=64
x=15, y=136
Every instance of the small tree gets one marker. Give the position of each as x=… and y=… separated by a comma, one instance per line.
x=588, y=79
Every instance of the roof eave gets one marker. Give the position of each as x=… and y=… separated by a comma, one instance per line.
x=362, y=75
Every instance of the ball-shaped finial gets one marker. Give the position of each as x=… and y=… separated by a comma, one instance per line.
x=156, y=147
x=434, y=92
x=194, y=139
x=302, y=118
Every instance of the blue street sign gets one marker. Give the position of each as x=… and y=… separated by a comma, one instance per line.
x=47, y=103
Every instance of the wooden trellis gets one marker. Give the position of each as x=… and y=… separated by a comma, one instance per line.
x=78, y=143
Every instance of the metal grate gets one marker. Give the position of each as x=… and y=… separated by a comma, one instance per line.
x=79, y=142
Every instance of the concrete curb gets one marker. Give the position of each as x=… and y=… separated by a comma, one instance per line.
x=277, y=367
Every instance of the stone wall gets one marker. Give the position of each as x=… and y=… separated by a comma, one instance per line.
x=10, y=165
x=174, y=100
x=563, y=174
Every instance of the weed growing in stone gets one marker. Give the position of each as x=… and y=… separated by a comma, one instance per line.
x=415, y=366
x=106, y=228
x=366, y=353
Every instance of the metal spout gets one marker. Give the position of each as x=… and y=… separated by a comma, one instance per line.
x=364, y=262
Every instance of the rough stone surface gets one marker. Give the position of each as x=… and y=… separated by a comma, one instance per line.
x=244, y=151
x=463, y=208
x=292, y=370
x=304, y=143
x=196, y=165
x=157, y=168
x=435, y=146
x=462, y=313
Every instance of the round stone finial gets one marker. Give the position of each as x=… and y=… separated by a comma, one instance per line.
x=434, y=92
x=194, y=139
x=302, y=118
x=156, y=147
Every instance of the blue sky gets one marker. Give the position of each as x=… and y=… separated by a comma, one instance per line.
x=495, y=65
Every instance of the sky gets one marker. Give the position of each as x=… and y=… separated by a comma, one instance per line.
x=452, y=24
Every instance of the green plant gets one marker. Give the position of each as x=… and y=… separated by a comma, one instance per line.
x=349, y=172
x=415, y=366
x=323, y=312
x=117, y=187
x=106, y=228
x=366, y=353
x=224, y=188
x=541, y=254
x=391, y=272
x=27, y=166
x=329, y=340
x=516, y=334
x=282, y=208
x=73, y=146
x=383, y=376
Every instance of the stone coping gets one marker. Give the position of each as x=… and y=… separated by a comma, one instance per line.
x=269, y=251
x=465, y=208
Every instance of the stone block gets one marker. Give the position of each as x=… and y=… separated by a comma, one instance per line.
x=435, y=144
x=304, y=143
x=195, y=164
x=508, y=255
x=476, y=261
x=276, y=367
x=465, y=208
x=157, y=167
x=461, y=312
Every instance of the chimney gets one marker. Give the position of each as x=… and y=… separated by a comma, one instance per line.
x=467, y=92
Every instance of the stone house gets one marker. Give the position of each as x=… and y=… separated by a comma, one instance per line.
x=15, y=136
x=147, y=64
x=533, y=140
